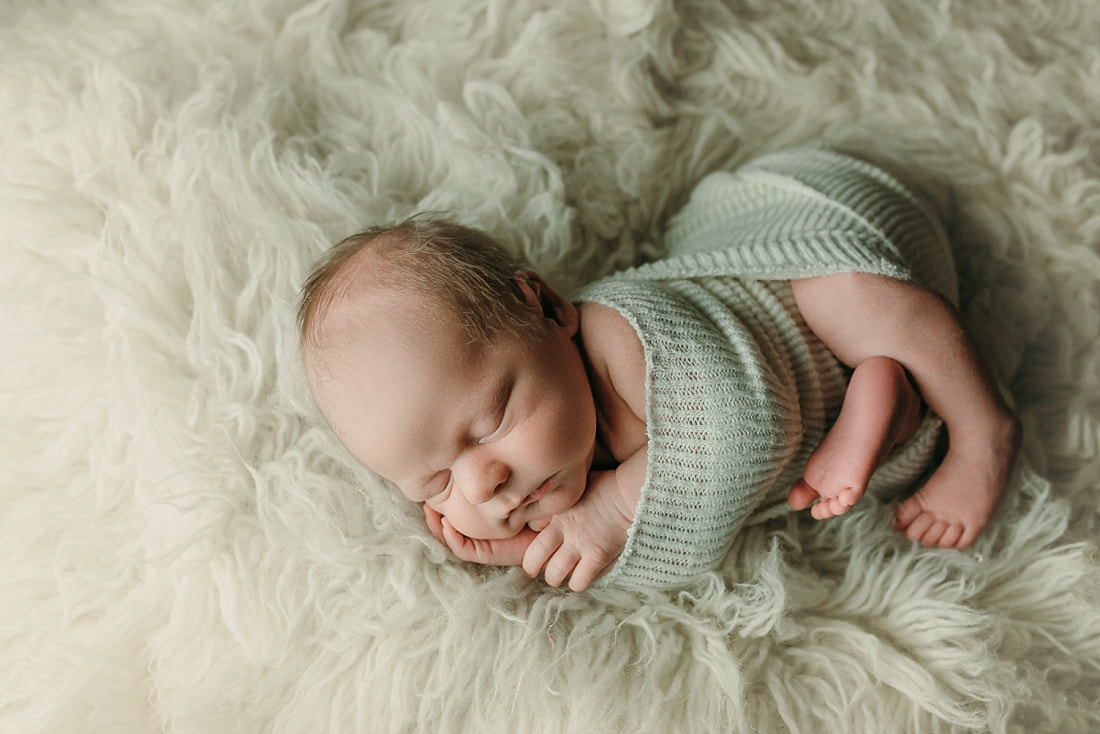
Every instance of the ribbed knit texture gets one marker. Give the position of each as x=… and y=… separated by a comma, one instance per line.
x=738, y=390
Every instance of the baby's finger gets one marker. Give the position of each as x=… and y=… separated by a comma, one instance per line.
x=561, y=565
x=458, y=543
x=587, y=571
x=434, y=521
x=540, y=550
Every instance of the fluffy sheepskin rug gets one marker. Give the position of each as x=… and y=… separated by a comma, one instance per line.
x=187, y=549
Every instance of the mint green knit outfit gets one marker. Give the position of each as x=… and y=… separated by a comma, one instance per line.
x=738, y=390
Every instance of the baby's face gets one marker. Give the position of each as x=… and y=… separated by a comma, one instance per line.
x=493, y=437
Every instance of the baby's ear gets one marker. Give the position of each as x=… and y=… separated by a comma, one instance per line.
x=538, y=295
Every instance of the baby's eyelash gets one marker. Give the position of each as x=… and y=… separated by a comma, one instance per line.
x=497, y=432
x=499, y=407
x=442, y=488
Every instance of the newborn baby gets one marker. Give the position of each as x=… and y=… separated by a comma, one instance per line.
x=630, y=431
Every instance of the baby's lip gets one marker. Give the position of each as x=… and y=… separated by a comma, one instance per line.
x=541, y=491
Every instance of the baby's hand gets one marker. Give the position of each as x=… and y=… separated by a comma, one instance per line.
x=502, y=552
x=585, y=540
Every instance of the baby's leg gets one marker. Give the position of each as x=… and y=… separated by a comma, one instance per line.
x=958, y=499
x=858, y=316
x=881, y=409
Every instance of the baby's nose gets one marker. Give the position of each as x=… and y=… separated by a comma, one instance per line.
x=487, y=481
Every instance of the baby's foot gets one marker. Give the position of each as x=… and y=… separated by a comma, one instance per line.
x=957, y=501
x=881, y=409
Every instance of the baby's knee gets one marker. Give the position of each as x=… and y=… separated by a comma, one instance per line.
x=885, y=376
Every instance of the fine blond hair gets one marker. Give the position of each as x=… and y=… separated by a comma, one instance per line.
x=459, y=269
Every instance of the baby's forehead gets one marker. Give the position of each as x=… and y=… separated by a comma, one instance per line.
x=373, y=301
x=392, y=327
x=376, y=319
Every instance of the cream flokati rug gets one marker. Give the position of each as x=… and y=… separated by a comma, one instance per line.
x=187, y=549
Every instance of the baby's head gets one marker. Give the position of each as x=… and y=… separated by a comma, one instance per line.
x=450, y=370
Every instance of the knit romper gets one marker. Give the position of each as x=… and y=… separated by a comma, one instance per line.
x=739, y=391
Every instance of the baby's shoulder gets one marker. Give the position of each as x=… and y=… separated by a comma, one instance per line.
x=608, y=334
x=614, y=352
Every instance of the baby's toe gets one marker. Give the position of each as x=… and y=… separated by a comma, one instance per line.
x=848, y=497
x=919, y=526
x=951, y=536
x=906, y=513
x=801, y=496
x=829, y=507
x=969, y=534
x=932, y=535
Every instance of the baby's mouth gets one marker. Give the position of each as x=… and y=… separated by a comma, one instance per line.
x=541, y=491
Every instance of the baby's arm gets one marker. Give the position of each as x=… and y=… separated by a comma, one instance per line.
x=584, y=541
x=860, y=316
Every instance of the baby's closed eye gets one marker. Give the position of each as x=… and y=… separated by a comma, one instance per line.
x=498, y=414
x=439, y=487
x=499, y=431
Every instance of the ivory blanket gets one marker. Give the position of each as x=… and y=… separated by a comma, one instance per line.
x=187, y=549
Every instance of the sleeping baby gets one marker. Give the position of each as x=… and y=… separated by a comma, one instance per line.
x=797, y=346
